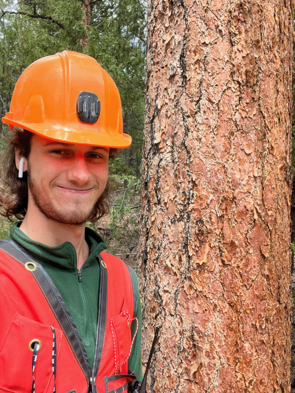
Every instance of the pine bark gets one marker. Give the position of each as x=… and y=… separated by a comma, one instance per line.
x=216, y=187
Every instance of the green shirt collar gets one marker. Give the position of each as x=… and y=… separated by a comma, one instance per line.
x=64, y=256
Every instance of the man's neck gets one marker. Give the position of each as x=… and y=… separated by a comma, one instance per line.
x=52, y=233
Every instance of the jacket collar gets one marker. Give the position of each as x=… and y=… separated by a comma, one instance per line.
x=63, y=256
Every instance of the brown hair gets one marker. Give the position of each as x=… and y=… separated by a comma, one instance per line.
x=14, y=190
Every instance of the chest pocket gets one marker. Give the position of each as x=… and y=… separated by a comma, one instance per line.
x=121, y=335
x=121, y=331
x=16, y=356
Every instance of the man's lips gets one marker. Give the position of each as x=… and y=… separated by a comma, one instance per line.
x=75, y=190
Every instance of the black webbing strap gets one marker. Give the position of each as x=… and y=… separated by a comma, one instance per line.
x=142, y=386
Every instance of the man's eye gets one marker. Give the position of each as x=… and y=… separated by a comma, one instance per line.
x=96, y=156
x=59, y=152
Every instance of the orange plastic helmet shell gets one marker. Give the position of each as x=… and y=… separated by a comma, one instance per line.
x=45, y=97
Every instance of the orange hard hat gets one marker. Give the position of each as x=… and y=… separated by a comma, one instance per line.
x=69, y=97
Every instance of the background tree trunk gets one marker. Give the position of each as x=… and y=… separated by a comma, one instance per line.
x=215, y=239
x=86, y=8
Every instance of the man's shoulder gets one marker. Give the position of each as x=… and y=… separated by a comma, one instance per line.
x=116, y=261
x=111, y=259
x=7, y=251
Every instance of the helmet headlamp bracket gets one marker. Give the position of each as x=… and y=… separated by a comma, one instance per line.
x=88, y=107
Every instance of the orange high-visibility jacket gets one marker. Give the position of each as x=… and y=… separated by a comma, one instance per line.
x=30, y=305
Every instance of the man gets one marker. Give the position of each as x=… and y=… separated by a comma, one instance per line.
x=70, y=313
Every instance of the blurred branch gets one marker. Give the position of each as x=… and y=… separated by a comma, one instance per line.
x=33, y=16
x=4, y=106
x=94, y=2
x=141, y=38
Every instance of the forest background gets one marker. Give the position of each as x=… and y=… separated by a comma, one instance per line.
x=114, y=33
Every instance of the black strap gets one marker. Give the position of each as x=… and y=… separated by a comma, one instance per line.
x=130, y=377
x=142, y=386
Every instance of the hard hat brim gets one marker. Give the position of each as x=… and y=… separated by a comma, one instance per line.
x=72, y=134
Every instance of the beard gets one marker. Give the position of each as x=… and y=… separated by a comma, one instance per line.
x=75, y=217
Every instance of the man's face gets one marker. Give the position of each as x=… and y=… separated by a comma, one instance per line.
x=65, y=180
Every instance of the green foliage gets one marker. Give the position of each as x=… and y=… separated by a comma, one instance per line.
x=118, y=167
x=5, y=226
x=123, y=223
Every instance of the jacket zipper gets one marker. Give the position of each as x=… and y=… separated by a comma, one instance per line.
x=92, y=379
x=90, y=382
x=99, y=323
x=92, y=387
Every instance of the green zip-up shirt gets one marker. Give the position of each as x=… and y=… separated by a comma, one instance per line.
x=80, y=289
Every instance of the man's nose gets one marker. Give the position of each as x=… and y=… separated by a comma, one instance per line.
x=79, y=171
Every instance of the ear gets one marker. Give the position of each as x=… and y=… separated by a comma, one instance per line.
x=17, y=158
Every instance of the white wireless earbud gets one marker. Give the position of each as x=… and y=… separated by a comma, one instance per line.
x=21, y=168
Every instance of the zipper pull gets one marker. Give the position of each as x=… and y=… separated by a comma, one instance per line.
x=79, y=276
x=92, y=388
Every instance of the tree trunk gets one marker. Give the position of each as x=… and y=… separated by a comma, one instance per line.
x=215, y=239
x=86, y=8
